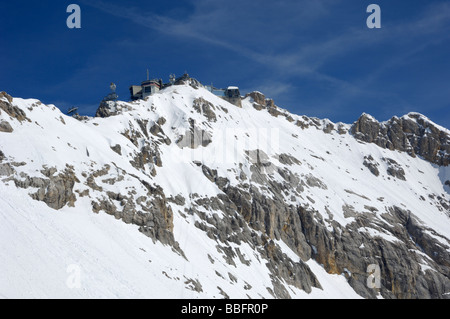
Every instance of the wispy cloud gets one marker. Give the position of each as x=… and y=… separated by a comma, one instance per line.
x=203, y=24
x=210, y=22
x=223, y=24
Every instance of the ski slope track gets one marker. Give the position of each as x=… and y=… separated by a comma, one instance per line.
x=184, y=195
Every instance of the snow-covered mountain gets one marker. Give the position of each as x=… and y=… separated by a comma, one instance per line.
x=184, y=195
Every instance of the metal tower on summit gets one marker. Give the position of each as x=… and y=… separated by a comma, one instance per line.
x=110, y=101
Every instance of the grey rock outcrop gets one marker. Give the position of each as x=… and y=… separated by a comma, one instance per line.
x=345, y=250
x=186, y=79
x=105, y=110
x=260, y=101
x=235, y=228
x=348, y=250
x=413, y=134
x=157, y=130
x=394, y=169
x=12, y=110
x=5, y=95
x=117, y=148
x=5, y=127
x=206, y=108
x=372, y=165
x=6, y=169
x=54, y=190
x=152, y=213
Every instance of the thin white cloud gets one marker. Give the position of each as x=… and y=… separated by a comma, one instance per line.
x=209, y=20
x=195, y=27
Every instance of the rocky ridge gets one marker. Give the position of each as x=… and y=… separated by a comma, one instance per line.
x=413, y=133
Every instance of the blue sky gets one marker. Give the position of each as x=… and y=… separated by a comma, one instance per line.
x=313, y=57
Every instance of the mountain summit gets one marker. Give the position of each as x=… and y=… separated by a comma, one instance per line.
x=185, y=195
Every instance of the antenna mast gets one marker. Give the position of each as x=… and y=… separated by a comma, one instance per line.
x=172, y=78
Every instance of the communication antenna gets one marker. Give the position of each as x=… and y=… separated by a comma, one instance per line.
x=172, y=78
x=148, y=76
x=72, y=110
x=111, y=96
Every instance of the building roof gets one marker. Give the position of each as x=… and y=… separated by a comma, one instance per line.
x=232, y=88
x=150, y=82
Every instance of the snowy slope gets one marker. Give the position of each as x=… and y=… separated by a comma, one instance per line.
x=200, y=240
x=114, y=259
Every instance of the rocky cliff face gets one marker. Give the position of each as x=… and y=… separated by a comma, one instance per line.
x=412, y=133
x=306, y=204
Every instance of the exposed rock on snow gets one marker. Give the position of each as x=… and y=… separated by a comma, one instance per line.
x=413, y=133
x=54, y=190
x=394, y=169
x=5, y=127
x=10, y=109
x=372, y=165
x=206, y=108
